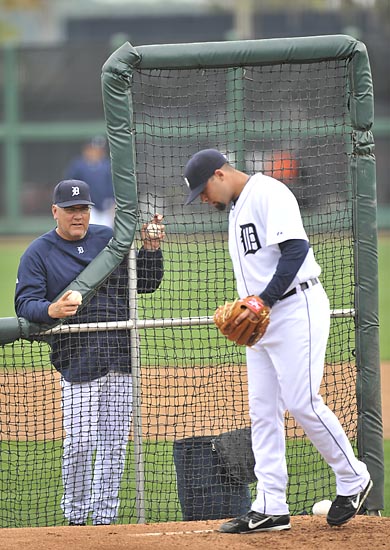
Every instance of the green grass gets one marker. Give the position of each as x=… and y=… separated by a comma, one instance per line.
x=12, y=249
x=31, y=488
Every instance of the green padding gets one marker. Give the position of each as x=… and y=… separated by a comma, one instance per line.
x=116, y=84
x=9, y=330
x=246, y=52
x=13, y=328
x=361, y=105
x=368, y=385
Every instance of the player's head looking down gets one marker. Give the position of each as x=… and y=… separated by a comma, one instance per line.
x=200, y=168
x=209, y=176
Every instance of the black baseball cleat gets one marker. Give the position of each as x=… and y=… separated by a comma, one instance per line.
x=345, y=508
x=254, y=522
x=76, y=524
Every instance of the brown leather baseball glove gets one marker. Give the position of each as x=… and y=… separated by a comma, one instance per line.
x=248, y=331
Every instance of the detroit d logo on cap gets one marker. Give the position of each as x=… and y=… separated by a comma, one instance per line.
x=75, y=191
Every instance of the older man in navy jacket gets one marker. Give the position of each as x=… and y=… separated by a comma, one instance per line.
x=95, y=366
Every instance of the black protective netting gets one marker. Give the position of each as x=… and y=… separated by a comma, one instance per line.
x=290, y=121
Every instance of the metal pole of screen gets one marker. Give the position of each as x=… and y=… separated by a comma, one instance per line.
x=136, y=382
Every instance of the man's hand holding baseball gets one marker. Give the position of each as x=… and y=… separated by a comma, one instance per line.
x=153, y=233
x=66, y=306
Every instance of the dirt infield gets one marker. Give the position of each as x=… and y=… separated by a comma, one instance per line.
x=171, y=391
x=307, y=533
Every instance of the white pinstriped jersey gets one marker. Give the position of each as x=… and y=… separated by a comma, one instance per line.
x=265, y=214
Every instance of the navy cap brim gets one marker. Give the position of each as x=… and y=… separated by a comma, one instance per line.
x=74, y=203
x=195, y=193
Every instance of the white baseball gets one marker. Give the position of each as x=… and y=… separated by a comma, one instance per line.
x=322, y=507
x=75, y=296
x=153, y=230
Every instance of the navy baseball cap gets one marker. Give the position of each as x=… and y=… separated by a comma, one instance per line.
x=72, y=192
x=200, y=168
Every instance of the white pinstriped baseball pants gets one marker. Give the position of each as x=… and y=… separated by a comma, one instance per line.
x=285, y=370
x=96, y=417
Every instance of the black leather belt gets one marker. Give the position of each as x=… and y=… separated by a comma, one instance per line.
x=304, y=286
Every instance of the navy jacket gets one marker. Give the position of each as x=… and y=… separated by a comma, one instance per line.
x=48, y=265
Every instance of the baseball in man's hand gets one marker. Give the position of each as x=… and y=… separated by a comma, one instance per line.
x=75, y=296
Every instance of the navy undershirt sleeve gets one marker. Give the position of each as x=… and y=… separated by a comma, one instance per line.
x=293, y=255
x=150, y=270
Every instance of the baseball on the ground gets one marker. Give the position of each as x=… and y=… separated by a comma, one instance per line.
x=322, y=507
x=153, y=230
x=75, y=296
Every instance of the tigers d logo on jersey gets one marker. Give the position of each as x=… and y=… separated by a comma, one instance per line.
x=249, y=239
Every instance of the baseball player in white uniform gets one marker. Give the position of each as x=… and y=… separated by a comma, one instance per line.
x=272, y=258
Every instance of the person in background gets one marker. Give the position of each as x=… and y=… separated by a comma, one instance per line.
x=93, y=166
x=95, y=365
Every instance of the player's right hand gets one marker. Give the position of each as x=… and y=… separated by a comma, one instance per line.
x=63, y=307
